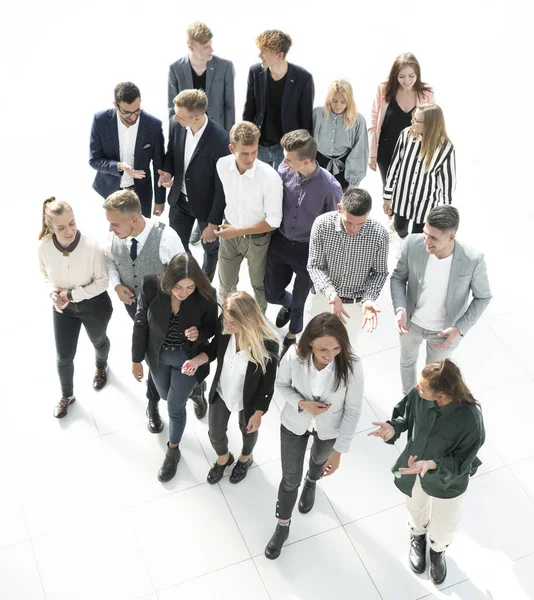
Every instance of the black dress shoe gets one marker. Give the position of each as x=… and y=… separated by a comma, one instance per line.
x=284, y=314
x=417, y=554
x=438, y=567
x=274, y=547
x=286, y=345
x=62, y=407
x=199, y=400
x=170, y=464
x=307, y=498
x=100, y=379
x=155, y=424
x=239, y=472
x=217, y=471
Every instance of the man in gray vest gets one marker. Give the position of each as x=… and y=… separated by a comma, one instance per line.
x=141, y=247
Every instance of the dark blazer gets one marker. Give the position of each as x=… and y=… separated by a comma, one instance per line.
x=152, y=322
x=297, y=99
x=219, y=88
x=204, y=188
x=104, y=156
x=258, y=388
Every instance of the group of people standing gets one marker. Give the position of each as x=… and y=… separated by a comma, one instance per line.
x=280, y=189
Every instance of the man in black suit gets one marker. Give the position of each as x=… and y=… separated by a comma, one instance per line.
x=122, y=148
x=195, y=145
x=279, y=96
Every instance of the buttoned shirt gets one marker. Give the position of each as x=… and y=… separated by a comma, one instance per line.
x=127, y=139
x=350, y=266
x=191, y=142
x=170, y=245
x=251, y=197
x=305, y=199
x=451, y=436
x=232, y=380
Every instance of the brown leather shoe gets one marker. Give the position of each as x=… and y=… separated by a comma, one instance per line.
x=101, y=378
x=62, y=407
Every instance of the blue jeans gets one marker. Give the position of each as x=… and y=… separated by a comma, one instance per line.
x=174, y=387
x=272, y=155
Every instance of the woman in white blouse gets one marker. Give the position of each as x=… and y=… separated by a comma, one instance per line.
x=246, y=349
x=341, y=135
x=75, y=271
x=321, y=381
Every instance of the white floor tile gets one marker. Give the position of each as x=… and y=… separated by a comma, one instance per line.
x=238, y=582
x=99, y=558
x=19, y=577
x=383, y=388
x=524, y=473
x=324, y=566
x=186, y=535
x=12, y=522
x=136, y=456
x=516, y=335
x=253, y=504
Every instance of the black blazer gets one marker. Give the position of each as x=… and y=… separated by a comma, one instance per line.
x=104, y=156
x=297, y=99
x=258, y=388
x=204, y=188
x=152, y=322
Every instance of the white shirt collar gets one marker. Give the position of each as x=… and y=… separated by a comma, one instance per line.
x=199, y=133
x=141, y=237
x=248, y=173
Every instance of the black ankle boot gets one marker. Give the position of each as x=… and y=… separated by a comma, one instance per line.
x=155, y=424
x=274, y=547
x=418, y=553
x=199, y=400
x=438, y=567
x=307, y=498
x=170, y=464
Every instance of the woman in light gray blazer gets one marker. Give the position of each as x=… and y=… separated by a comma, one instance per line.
x=321, y=381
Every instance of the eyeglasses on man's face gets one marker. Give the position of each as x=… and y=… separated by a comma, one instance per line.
x=129, y=113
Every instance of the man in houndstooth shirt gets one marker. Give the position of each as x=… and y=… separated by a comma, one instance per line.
x=348, y=263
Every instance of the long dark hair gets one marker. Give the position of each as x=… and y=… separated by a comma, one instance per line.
x=407, y=59
x=184, y=266
x=328, y=324
x=444, y=377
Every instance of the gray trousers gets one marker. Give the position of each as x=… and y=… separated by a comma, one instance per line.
x=218, y=426
x=231, y=255
x=410, y=343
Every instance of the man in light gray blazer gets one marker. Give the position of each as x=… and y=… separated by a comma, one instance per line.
x=431, y=287
x=202, y=70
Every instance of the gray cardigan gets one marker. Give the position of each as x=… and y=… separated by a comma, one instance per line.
x=339, y=421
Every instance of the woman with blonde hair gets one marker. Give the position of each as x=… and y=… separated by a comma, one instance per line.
x=246, y=349
x=75, y=271
x=422, y=174
x=393, y=106
x=340, y=132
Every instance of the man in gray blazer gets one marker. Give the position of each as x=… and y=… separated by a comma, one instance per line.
x=201, y=70
x=431, y=287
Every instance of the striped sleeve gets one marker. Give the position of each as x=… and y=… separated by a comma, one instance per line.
x=394, y=167
x=447, y=178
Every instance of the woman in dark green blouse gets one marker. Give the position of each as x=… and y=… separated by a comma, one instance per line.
x=445, y=432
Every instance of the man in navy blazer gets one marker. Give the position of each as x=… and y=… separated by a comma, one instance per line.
x=279, y=96
x=196, y=143
x=122, y=148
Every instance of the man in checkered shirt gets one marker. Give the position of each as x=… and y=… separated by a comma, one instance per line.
x=348, y=263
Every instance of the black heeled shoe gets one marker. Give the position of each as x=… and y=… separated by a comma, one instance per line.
x=239, y=472
x=274, y=547
x=217, y=471
x=438, y=567
x=170, y=464
x=417, y=556
x=307, y=497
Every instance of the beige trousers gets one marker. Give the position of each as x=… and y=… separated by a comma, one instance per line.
x=437, y=516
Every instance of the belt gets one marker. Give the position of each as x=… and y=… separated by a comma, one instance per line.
x=251, y=235
x=128, y=187
x=350, y=300
x=167, y=347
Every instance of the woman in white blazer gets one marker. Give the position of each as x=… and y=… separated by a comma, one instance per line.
x=321, y=381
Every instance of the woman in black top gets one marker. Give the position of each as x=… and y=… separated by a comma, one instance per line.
x=246, y=349
x=176, y=316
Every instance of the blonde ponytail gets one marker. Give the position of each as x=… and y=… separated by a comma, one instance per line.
x=52, y=207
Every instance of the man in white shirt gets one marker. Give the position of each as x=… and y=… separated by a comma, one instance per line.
x=430, y=288
x=253, y=192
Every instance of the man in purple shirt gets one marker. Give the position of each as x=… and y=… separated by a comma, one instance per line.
x=309, y=191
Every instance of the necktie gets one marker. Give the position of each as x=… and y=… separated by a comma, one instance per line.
x=133, y=249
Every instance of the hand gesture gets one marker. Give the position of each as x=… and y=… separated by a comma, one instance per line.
x=384, y=431
x=254, y=422
x=226, y=231
x=400, y=321
x=191, y=334
x=387, y=208
x=125, y=294
x=165, y=179
x=134, y=173
x=313, y=407
x=332, y=463
x=417, y=467
x=450, y=334
x=370, y=315
x=158, y=209
x=189, y=367
x=137, y=371
x=372, y=163
x=59, y=304
x=338, y=310
x=208, y=234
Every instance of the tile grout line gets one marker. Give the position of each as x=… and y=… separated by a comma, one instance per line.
x=363, y=563
x=33, y=550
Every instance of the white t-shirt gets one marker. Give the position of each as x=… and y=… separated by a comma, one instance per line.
x=430, y=310
x=232, y=380
x=127, y=139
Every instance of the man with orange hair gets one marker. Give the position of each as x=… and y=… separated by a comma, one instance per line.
x=279, y=95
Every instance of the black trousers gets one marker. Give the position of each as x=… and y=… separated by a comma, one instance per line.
x=181, y=219
x=218, y=426
x=402, y=224
x=340, y=177
x=284, y=258
x=94, y=315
